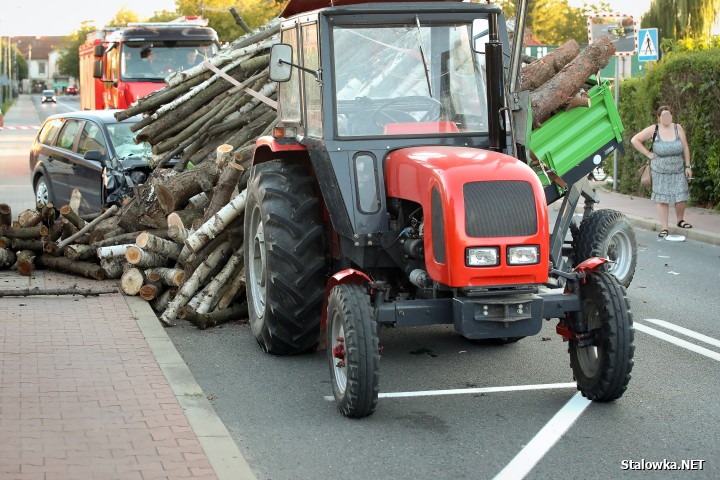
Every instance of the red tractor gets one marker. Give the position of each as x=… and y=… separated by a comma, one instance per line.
x=394, y=191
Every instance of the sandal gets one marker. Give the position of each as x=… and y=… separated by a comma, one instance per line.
x=683, y=224
x=663, y=233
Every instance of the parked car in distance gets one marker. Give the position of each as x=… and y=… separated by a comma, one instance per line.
x=71, y=90
x=90, y=151
x=48, y=96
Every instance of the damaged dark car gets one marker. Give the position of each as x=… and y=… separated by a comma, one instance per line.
x=90, y=151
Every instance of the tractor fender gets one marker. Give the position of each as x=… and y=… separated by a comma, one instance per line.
x=591, y=265
x=269, y=148
x=349, y=275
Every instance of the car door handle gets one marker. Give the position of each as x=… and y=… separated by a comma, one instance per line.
x=50, y=159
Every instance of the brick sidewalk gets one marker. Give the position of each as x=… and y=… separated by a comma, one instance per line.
x=81, y=394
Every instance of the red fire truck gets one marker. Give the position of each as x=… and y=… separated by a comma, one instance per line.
x=118, y=65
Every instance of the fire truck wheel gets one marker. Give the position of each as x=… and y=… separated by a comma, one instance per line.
x=285, y=263
x=608, y=234
x=602, y=370
x=353, y=350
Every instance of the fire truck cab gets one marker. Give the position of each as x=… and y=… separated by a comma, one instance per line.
x=118, y=65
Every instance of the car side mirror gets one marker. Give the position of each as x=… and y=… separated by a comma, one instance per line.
x=95, y=155
x=281, y=57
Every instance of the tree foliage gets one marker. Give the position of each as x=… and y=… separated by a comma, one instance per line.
x=554, y=22
x=123, y=17
x=678, y=19
x=69, y=58
x=254, y=12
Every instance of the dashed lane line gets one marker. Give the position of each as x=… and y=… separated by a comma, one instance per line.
x=545, y=439
x=685, y=331
x=677, y=341
x=465, y=391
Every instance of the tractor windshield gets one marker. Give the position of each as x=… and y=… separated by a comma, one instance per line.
x=408, y=79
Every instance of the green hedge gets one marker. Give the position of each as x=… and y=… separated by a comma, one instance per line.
x=689, y=83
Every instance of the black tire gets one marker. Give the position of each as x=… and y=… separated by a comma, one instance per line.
x=353, y=350
x=602, y=371
x=285, y=263
x=42, y=191
x=608, y=234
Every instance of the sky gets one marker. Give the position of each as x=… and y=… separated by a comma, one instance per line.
x=61, y=17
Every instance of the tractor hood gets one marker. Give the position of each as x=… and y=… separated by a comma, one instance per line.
x=473, y=198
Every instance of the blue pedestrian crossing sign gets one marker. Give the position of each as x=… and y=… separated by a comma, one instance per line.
x=648, y=45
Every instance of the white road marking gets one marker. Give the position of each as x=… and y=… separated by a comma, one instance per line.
x=685, y=331
x=465, y=391
x=677, y=341
x=545, y=439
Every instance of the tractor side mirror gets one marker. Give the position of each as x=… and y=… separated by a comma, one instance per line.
x=94, y=155
x=281, y=57
x=98, y=69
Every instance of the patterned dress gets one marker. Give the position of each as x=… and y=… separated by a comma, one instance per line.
x=669, y=184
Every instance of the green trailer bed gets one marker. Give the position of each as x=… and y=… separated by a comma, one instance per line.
x=573, y=143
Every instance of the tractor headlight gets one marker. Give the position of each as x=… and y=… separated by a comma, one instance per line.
x=523, y=255
x=482, y=257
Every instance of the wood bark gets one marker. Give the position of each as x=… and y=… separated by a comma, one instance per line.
x=217, y=223
x=131, y=281
x=153, y=244
x=203, y=321
x=113, y=267
x=7, y=258
x=5, y=242
x=75, y=201
x=80, y=252
x=72, y=216
x=129, y=237
x=172, y=277
x=108, y=213
x=25, y=262
x=86, y=269
x=56, y=230
x=556, y=91
x=24, y=232
x=142, y=259
x=150, y=291
x=22, y=244
x=191, y=285
x=86, y=292
x=174, y=194
x=543, y=69
x=26, y=216
x=212, y=297
x=5, y=214
x=160, y=303
x=234, y=287
x=178, y=233
x=112, y=251
x=200, y=200
x=224, y=188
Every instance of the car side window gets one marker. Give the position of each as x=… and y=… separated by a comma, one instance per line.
x=91, y=138
x=68, y=134
x=47, y=134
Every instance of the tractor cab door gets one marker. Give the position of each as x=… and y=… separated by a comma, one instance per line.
x=300, y=99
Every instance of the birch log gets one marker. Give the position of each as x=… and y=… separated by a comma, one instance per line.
x=113, y=251
x=7, y=257
x=86, y=269
x=142, y=259
x=80, y=252
x=169, y=276
x=131, y=281
x=113, y=267
x=233, y=289
x=203, y=321
x=194, y=282
x=108, y=213
x=211, y=297
x=153, y=244
x=217, y=223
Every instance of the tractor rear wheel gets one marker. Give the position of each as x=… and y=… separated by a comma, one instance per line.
x=353, y=350
x=608, y=234
x=602, y=370
x=285, y=263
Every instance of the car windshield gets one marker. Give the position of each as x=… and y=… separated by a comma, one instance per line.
x=408, y=79
x=48, y=92
x=156, y=60
x=123, y=141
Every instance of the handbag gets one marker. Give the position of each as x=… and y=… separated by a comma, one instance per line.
x=644, y=173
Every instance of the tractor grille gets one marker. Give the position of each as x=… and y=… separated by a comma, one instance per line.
x=499, y=209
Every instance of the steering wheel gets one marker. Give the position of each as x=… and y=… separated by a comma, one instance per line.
x=400, y=115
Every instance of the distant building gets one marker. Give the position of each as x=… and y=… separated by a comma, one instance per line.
x=42, y=55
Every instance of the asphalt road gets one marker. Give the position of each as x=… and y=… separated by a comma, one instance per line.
x=277, y=411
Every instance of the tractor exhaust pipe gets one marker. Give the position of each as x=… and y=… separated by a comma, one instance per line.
x=496, y=88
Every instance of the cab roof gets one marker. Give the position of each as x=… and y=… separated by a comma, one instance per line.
x=301, y=6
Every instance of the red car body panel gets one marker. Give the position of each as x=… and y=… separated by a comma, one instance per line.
x=412, y=174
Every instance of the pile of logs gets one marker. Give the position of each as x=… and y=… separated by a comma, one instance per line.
x=556, y=80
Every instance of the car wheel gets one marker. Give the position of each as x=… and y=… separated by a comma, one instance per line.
x=42, y=192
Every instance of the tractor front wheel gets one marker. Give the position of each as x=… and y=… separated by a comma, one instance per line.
x=353, y=350
x=602, y=370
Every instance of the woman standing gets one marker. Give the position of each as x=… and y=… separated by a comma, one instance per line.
x=670, y=166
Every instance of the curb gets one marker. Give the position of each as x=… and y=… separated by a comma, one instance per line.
x=691, y=233
x=222, y=452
